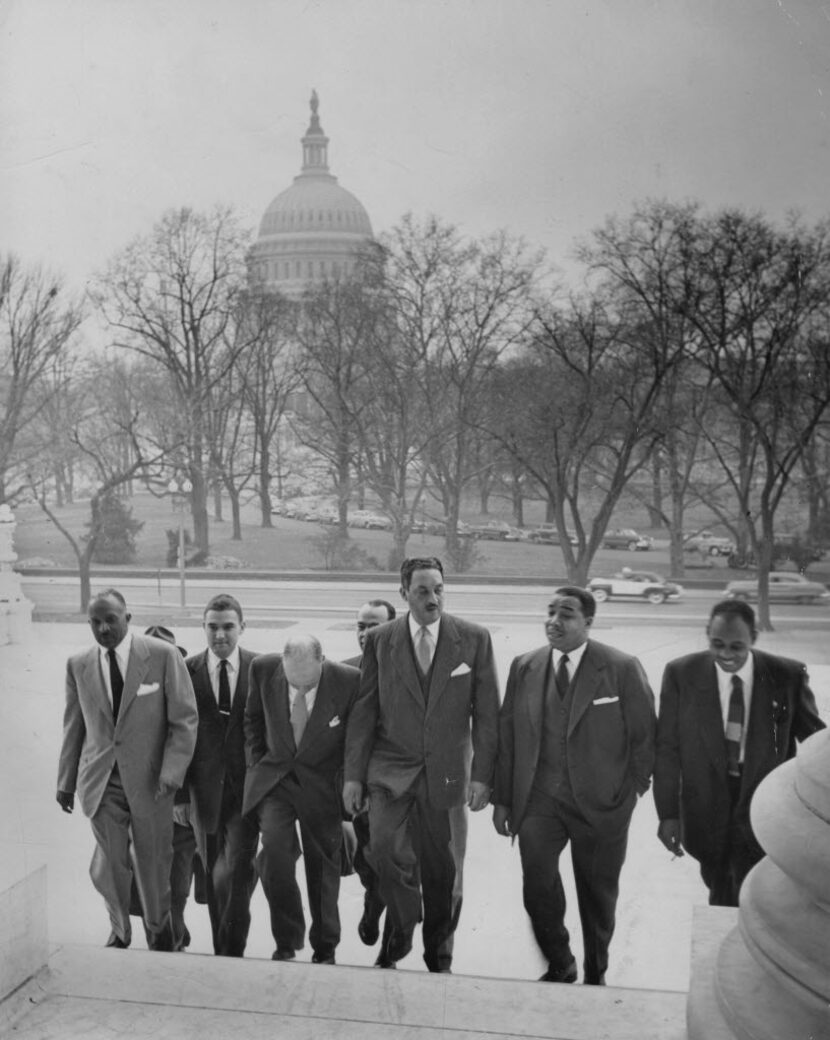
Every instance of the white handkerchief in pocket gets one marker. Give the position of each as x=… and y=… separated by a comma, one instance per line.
x=335, y=721
x=605, y=700
x=145, y=688
x=462, y=669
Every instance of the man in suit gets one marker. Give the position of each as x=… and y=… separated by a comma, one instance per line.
x=375, y=612
x=422, y=738
x=295, y=722
x=129, y=730
x=728, y=716
x=576, y=748
x=227, y=839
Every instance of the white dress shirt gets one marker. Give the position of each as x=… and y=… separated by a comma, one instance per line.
x=574, y=657
x=213, y=663
x=122, y=654
x=746, y=673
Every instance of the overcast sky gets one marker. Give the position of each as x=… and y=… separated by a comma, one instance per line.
x=540, y=116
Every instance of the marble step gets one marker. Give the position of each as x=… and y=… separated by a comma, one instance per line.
x=94, y=993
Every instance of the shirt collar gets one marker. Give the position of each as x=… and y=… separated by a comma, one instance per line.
x=745, y=673
x=233, y=660
x=415, y=628
x=122, y=651
x=574, y=656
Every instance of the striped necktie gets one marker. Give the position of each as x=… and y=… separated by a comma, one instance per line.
x=735, y=727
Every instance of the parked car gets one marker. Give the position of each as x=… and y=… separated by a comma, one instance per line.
x=493, y=531
x=548, y=534
x=627, y=538
x=709, y=544
x=783, y=585
x=376, y=522
x=637, y=585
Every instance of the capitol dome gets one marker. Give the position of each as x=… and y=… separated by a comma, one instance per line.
x=312, y=231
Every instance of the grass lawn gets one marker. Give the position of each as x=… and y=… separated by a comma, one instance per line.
x=290, y=545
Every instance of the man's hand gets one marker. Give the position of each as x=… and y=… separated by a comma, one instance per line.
x=65, y=800
x=501, y=820
x=165, y=790
x=353, y=800
x=479, y=795
x=669, y=833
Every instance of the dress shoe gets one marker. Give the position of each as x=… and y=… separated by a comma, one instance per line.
x=399, y=944
x=283, y=953
x=116, y=942
x=368, y=927
x=567, y=974
x=323, y=958
x=384, y=961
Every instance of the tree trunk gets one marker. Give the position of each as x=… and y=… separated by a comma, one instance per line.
x=199, y=512
x=655, y=508
x=264, y=488
x=217, y=501
x=233, y=495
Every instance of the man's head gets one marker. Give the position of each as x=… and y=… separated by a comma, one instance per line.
x=371, y=614
x=160, y=632
x=731, y=631
x=108, y=618
x=570, y=616
x=223, y=625
x=422, y=587
x=302, y=662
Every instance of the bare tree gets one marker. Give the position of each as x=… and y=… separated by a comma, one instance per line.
x=171, y=297
x=37, y=325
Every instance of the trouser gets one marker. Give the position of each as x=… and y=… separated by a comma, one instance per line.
x=725, y=875
x=278, y=813
x=597, y=858
x=418, y=852
x=116, y=829
x=373, y=900
x=230, y=878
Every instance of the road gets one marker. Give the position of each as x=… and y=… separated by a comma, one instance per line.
x=265, y=600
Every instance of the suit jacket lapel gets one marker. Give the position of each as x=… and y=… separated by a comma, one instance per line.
x=404, y=659
x=94, y=681
x=447, y=657
x=137, y=664
x=321, y=713
x=760, y=722
x=584, y=684
x=278, y=707
x=706, y=703
x=240, y=695
x=535, y=682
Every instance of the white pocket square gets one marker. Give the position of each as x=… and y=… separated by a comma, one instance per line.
x=335, y=721
x=144, y=688
x=605, y=700
x=462, y=669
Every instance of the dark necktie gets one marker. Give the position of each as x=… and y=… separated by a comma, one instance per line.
x=563, y=680
x=299, y=717
x=735, y=727
x=423, y=651
x=224, y=690
x=116, y=684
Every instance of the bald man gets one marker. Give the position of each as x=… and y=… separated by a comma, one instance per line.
x=295, y=724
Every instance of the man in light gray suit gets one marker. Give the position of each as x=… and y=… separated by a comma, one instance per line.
x=129, y=731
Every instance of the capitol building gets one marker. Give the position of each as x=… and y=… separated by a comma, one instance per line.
x=314, y=230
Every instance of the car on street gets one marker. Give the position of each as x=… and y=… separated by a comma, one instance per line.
x=627, y=538
x=783, y=585
x=708, y=544
x=492, y=531
x=376, y=522
x=630, y=584
x=548, y=534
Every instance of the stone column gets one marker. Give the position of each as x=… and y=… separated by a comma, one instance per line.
x=15, y=609
x=770, y=979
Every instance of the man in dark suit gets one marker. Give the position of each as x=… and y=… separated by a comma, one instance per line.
x=129, y=730
x=375, y=612
x=422, y=738
x=576, y=748
x=295, y=723
x=227, y=840
x=728, y=716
